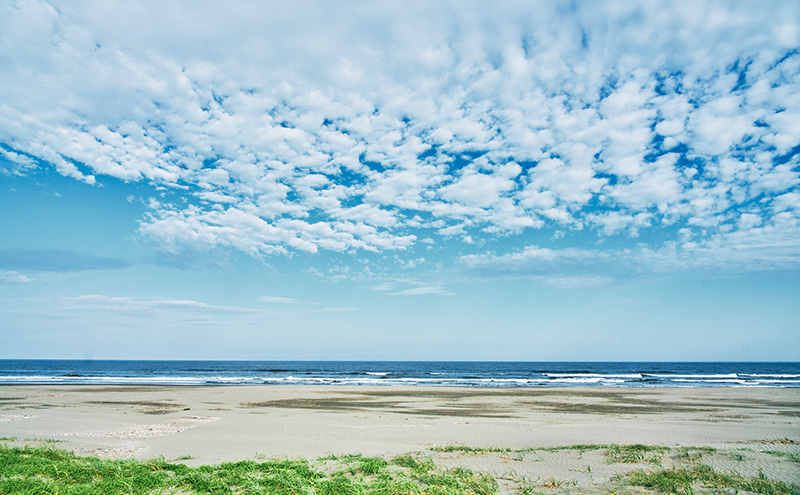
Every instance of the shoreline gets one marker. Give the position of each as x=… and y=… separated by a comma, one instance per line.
x=401, y=373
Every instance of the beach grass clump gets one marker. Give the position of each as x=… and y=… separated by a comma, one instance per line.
x=45, y=470
x=615, y=454
x=357, y=463
x=469, y=450
x=692, y=454
x=457, y=480
x=632, y=454
x=684, y=480
x=580, y=447
x=412, y=463
x=371, y=465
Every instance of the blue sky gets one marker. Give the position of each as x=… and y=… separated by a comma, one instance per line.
x=609, y=180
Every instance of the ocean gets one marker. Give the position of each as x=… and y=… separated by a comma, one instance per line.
x=462, y=374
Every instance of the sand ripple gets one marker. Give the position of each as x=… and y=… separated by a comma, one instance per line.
x=150, y=430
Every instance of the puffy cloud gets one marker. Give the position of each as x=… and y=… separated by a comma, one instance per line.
x=323, y=126
x=15, y=163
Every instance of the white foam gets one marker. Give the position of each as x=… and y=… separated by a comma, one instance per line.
x=594, y=375
x=669, y=376
x=768, y=375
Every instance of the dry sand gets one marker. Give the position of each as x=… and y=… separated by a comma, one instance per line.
x=208, y=425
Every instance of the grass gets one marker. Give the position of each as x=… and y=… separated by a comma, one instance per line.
x=412, y=463
x=691, y=478
x=501, y=450
x=615, y=454
x=685, y=480
x=632, y=454
x=371, y=465
x=470, y=450
x=527, y=488
x=45, y=470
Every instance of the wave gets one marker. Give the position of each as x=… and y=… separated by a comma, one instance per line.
x=672, y=376
x=769, y=375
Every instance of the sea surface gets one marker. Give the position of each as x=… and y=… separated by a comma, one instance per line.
x=463, y=374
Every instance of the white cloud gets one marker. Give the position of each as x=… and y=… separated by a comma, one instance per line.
x=423, y=290
x=615, y=221
x=308, y=127
x=657, y=184
x=568, y=266
x=16, y=163
x=278, y=299
x=150, y=305
x=14, y=277
x=751, y=246
x=410, y=264
x=335, y=309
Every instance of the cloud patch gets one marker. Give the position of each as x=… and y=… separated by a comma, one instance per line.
x=423, y=290
x=278, y=300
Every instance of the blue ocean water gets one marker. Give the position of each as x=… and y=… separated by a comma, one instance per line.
x=466, y=374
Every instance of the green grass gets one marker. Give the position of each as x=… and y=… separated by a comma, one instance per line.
x=371, y=465
x=685, y=480
x=470, y=450
x=412, y=463
x=45, y=470
x=693, y=454
x=632, y=454
x=615, y=454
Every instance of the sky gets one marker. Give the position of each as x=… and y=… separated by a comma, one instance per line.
x=374, y=180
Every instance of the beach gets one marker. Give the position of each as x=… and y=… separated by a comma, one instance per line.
x=495, y=431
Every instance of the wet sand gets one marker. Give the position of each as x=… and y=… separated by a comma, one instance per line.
x=208, y=425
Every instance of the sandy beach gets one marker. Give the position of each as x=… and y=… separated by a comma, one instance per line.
x=746, y=427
